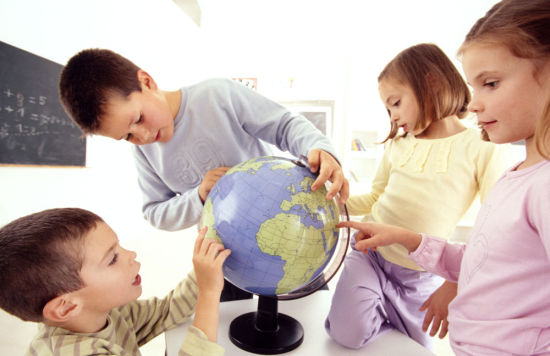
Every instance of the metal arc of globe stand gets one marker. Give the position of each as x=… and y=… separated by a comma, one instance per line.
x=269, y=332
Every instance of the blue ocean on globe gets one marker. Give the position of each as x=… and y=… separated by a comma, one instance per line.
x=281, y=233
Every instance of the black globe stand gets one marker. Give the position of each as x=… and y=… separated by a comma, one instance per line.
x=266, y=331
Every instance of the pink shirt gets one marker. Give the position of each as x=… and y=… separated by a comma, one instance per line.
x=503, y=273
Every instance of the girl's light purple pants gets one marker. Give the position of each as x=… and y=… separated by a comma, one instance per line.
x=373, y=295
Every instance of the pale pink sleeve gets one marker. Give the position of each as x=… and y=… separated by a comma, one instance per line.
x=439, y=256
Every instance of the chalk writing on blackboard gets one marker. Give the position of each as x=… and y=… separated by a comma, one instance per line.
x=34, y=128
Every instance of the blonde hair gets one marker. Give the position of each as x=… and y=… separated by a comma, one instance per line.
x=523, y=26
x=439, y=89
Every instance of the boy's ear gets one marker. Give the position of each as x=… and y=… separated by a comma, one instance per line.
x=146, y=80
x=61, y=308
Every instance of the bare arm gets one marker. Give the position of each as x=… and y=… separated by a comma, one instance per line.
x=437, y=309
x=371, y=235
x=208, y=258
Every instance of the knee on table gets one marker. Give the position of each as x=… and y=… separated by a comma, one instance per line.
x=352, y=329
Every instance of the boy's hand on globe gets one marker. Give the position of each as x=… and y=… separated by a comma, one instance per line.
x=209, y=180
x=208, y=258
x=371, y=235
x=330, y=170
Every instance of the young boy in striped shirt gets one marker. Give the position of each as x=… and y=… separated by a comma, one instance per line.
x=65, y=269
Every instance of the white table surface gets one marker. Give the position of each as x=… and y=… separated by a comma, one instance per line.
x=310, y=311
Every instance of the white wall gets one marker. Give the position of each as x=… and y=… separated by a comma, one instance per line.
x=58, y=29
x=332, y=49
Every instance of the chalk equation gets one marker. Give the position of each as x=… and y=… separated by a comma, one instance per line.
x=29, y=116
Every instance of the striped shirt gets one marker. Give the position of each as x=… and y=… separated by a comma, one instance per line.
x=131, y=326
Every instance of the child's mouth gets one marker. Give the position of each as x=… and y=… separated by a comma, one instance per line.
x=137, y=280
x=484, y=125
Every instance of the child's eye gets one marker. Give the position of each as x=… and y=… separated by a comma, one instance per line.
x=396, y=103
x=140, y=118
x=113, y=261
x=491, y=83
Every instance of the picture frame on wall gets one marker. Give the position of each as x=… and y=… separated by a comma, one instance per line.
x=319, y=112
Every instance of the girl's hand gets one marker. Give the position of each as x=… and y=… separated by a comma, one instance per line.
x=330, y=170
x=371, y=235
x=210, y=179
x=208, y=258
x=437, y=309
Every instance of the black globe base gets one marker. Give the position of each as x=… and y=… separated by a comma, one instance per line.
x=266, y=331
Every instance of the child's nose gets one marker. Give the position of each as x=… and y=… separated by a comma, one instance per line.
x=132, y=258
x=141, y=134
x=474, y=106
x=131, y=255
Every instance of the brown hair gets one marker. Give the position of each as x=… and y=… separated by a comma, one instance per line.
x=87, y=81
x=542, y=133
x=439, y=88
x=41, y=256
x=522, y=26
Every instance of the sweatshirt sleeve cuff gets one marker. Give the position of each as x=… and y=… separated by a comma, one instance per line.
x=437, y=256
x=428, y=252
x=196, y=199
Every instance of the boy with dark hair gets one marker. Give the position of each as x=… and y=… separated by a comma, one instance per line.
x=187, y=139
x=65, y=269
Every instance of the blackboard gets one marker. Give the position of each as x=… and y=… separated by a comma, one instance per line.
x=34, y=128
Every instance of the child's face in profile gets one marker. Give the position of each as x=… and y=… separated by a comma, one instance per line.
x=141, y=118
x=507, y=98
x=109, y=272
x=401, y=104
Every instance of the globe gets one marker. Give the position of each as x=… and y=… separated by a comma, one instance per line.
x=281, y=234
x=284, y=244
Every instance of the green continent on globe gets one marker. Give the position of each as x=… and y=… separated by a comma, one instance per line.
x=208, y=219
x=277, y=236
x=280, y=232
x=251, y=167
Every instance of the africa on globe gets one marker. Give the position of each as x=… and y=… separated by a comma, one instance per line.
x=281, y=233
